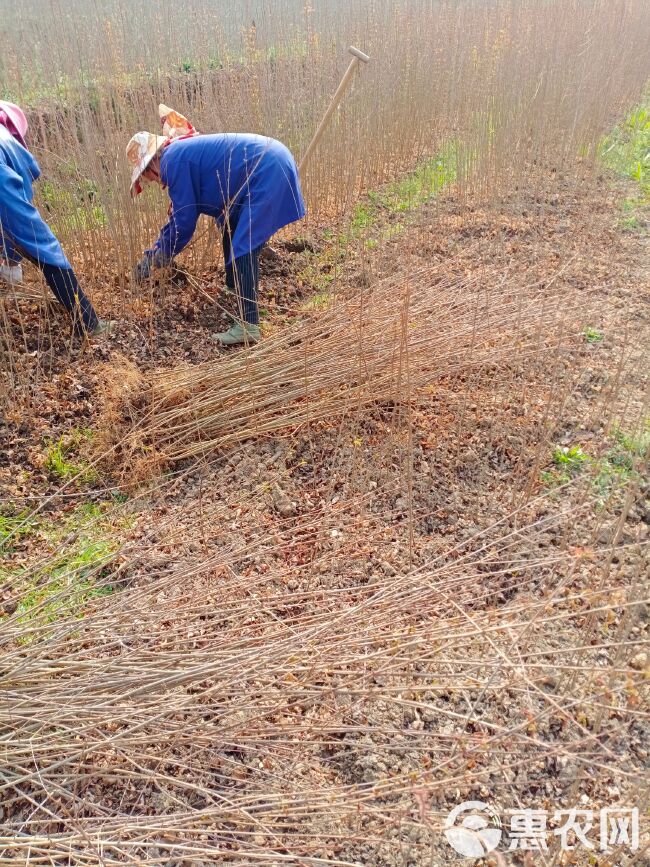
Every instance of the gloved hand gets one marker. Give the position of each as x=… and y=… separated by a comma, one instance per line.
x=142, y=270
x=148, y=263
x=11, y=274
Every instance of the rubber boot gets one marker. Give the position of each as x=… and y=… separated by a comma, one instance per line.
x=103, y=327
x=239, y=333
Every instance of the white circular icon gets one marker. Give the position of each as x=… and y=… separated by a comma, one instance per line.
x=473, y=837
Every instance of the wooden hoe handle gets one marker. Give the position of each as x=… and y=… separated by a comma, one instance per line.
x=358, y=57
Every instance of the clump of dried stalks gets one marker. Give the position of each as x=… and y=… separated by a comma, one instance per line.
x=121, y=398
x=371, y=348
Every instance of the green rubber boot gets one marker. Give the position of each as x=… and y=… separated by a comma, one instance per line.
x=104, y=326
x=239, y=333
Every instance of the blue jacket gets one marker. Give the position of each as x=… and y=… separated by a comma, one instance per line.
x=23, y=232
x=248, y=183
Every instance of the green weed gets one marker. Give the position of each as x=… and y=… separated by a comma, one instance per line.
x=631, y=206
x=62, y=458
x=572, y=459
x=423, y=184
x=634, y=445
x=615, y=468
x=416, y=189
x=569, y=462
x=69, y=581
x=318, y=279
x=368, y=222
x=362, y=218
x=631, y=224
x=553, y=478
x=320, y=300
x=593, y=335
x=619, y=465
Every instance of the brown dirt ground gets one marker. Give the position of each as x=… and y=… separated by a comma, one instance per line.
x=341, y=507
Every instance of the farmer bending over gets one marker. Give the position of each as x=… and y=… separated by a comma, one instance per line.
x=24, y=233
x=248, y=183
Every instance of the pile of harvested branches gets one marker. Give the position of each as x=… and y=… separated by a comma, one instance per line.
x=184, y=722
x=375, y=347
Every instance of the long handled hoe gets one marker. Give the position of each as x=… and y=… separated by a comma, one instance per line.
x=358, y=57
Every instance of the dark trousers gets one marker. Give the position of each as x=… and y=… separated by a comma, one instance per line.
x=243, y=276
x=67, y=291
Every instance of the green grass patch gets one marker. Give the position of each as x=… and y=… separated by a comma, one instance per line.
x=363, y=217
x=553, y=478
x=74, y=553
x=67, y=584
x=627, y=149
x=13, y=527
x=63, y=457
x=627, y=152
x=568, y=462
x=319, y=301
x=619, y=465
x=633, y=224
x=407, y=194
x=72, y=201
x=635, y=445
x=319, y=279
x=423, y=184
x=570, y=458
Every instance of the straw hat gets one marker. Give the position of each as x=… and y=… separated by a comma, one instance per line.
x=142, y=148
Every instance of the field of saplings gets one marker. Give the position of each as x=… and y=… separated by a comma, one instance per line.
x=294, y=601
